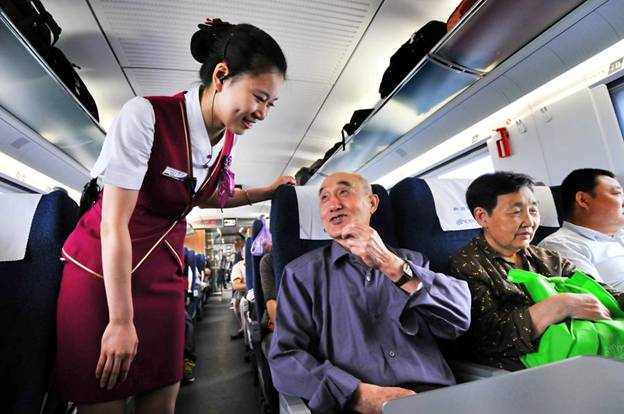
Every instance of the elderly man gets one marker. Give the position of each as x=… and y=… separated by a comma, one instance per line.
x=506, y=323
x=593, y=234
x=357, y=322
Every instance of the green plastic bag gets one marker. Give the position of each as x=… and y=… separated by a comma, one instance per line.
x=573, y=337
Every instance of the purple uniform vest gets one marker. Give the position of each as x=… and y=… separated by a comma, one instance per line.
x=163, y=201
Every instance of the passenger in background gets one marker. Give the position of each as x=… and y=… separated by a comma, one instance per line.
x=238, y=291
x=593, y=234
x=506, y=323
x=267, y=278
x=357, y=322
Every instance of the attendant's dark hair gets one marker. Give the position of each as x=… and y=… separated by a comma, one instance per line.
x=90, y=193
x=484, y=191
x=242, y=47
x=584, y=180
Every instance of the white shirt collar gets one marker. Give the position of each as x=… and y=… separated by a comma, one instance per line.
x=200, y=142
x=592, y=234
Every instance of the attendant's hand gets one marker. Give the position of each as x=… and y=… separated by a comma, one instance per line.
x=119, y=347
x=368, y=398
x=284, y=179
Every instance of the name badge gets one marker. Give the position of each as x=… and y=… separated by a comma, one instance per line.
x=175, y=174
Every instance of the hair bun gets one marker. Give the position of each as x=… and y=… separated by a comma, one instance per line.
x=204, y=39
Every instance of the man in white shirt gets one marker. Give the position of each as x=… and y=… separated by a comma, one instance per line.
x=593, y=234
x=238, y=291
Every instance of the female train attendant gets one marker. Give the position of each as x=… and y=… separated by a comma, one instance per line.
x=120, y=315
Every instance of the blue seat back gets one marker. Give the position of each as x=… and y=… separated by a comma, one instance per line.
x=287, y=245
x=418, y=226
x=28, y=295
x=254, y=265
x=543, y=231
x=200, y=262
x=248, y=259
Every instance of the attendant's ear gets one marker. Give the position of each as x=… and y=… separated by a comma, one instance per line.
x=219, y=75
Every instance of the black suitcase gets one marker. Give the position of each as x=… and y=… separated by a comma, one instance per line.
x=409, y=54
x=34, y=22
x=66, y=72
x=356, y=120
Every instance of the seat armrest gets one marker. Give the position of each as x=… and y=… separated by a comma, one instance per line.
x=470, y=371
x=292, y=405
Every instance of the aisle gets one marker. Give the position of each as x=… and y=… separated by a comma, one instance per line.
x=223, y=381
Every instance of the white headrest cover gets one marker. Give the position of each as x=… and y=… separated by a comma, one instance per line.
x=310, y=225
x=16, y=216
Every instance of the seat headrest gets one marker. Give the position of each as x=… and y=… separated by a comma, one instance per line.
x=418, y=226
x=449, y=199
x=310, y=225
x=16, y=216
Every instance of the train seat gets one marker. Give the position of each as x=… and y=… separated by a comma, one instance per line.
x=29, y=289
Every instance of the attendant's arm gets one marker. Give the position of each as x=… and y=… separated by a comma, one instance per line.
x=119, y=341
x=296, y=371
x=250, y=196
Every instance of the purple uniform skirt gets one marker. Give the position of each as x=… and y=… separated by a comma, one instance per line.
x=82, y=315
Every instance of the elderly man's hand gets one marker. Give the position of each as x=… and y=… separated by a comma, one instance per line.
x=368, y=398
x=364, y=242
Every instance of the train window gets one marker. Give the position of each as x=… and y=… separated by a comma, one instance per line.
x=616, y=90
x=467, y=166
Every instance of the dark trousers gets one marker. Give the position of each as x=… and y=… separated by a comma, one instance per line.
x=189, y=339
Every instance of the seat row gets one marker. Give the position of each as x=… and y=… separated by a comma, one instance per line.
x=406, y=218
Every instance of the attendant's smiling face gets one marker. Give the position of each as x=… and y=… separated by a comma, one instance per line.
x=246, y=99
x=512, y=223
x=344, y=199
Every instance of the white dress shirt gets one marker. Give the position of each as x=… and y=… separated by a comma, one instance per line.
x=595, y=253
x=128, y=144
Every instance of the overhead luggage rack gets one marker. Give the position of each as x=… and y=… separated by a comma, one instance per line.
x=33, y=94
x=488, y=35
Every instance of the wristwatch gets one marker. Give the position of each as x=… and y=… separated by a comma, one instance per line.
x=407, y=275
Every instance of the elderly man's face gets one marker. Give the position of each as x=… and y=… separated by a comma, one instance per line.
x=513, y=221
x=345, y=200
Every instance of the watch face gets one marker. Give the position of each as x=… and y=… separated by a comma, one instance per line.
x=407, y=270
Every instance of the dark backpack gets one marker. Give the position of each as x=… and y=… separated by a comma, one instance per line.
x=64, y=69
x=34, y=22
x=409, y=54
x=356, y=120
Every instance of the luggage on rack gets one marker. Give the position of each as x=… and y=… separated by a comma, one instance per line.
x=356, y=120
x=409, y=54
x=34, y=22
x=305, y=173
x=64, y=69
x=459, y=11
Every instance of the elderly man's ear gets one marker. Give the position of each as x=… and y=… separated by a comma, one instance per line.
x=374, y=203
